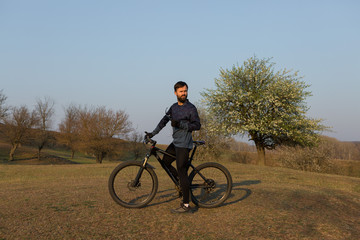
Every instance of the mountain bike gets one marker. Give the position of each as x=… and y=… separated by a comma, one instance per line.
x=133, y=184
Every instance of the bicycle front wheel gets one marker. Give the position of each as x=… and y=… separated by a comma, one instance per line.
x=126, y=191
x=210, y=185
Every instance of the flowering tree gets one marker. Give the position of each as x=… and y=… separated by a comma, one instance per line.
x=266, y=105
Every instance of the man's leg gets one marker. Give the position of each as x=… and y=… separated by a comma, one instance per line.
x=168, y=160
x=182, y=157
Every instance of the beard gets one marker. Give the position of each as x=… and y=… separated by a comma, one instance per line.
x=182, y=98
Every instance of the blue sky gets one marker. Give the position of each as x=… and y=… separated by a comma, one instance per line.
x=128, y=54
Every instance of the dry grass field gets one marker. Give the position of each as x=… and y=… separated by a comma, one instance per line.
x=72, y=202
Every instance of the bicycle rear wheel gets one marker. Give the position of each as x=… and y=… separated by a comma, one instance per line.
x=210, y=185
x=125, y=191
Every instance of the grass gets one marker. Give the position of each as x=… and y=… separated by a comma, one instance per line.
x=72, y=202
x=78, y=158
x=28, y=155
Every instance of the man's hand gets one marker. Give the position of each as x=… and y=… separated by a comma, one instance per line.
x=175, y=123
x=150, y=135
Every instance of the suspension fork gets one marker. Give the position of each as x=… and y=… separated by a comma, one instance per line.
x=143, y=166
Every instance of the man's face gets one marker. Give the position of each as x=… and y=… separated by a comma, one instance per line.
x=181, y=94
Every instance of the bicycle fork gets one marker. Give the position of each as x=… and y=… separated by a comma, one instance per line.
x=136, y=182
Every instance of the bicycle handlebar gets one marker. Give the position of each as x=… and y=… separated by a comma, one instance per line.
x=147, y=139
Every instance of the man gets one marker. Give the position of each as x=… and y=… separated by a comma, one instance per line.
x=184, y=119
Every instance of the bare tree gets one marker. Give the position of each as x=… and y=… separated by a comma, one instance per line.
x=17, y=126
x=216, y=143
x=45, y=111
x=69, y=129
x=135, y=144
x=3, y=108
x=98, y=127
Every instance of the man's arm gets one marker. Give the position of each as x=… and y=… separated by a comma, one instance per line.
x=192, y=124
x=161, y=125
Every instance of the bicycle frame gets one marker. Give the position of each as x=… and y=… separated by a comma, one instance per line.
x=154, y=152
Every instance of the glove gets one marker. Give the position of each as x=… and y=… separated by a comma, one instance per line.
x=150, y=135
x=175, y=123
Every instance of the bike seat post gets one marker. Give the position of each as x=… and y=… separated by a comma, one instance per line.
x=193, y=153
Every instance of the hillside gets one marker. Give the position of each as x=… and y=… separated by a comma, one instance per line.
x=72, y=202
x=53, y=153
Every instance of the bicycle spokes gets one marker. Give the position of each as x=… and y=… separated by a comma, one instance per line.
x=210, y=185
x=131, y=188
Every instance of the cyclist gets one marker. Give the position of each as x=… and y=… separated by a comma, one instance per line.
x=184, y=119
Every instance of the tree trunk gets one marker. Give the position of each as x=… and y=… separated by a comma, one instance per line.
x=72, y=154
x=39, y=152
x=12, y=152
x=261, y=155
x=260, y=148
x=99, y=157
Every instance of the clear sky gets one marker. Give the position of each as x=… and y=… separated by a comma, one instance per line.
x=128, y=54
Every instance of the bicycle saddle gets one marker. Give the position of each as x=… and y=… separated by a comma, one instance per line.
x=199, y=142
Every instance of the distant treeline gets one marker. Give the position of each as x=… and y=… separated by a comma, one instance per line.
x=102, y=132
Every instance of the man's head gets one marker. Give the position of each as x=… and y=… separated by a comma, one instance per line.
x=181, y=89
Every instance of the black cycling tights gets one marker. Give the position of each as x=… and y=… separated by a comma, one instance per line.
x=182, y=157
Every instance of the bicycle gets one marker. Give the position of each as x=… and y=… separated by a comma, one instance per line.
x=133, y=184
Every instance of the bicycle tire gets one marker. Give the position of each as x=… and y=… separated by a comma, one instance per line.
x=216, y=190
x=121, y=187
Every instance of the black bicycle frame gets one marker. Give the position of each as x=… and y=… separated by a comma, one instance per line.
x=154, y=151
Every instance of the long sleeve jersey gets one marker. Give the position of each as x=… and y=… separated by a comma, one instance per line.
x=189, y=120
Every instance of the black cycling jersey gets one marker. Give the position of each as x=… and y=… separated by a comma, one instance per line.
x=189, y=120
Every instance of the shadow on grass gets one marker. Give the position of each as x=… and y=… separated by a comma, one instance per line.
x=165, y=196
x=239, y=193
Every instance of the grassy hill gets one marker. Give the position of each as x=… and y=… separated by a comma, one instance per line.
x=72, y=202
x=27, y=155
x=56, y=153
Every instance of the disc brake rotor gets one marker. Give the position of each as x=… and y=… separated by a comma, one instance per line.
x=210, y=185
x=132, y=186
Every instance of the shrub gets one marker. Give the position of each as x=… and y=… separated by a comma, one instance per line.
x=244, y=157
x=315, y=159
